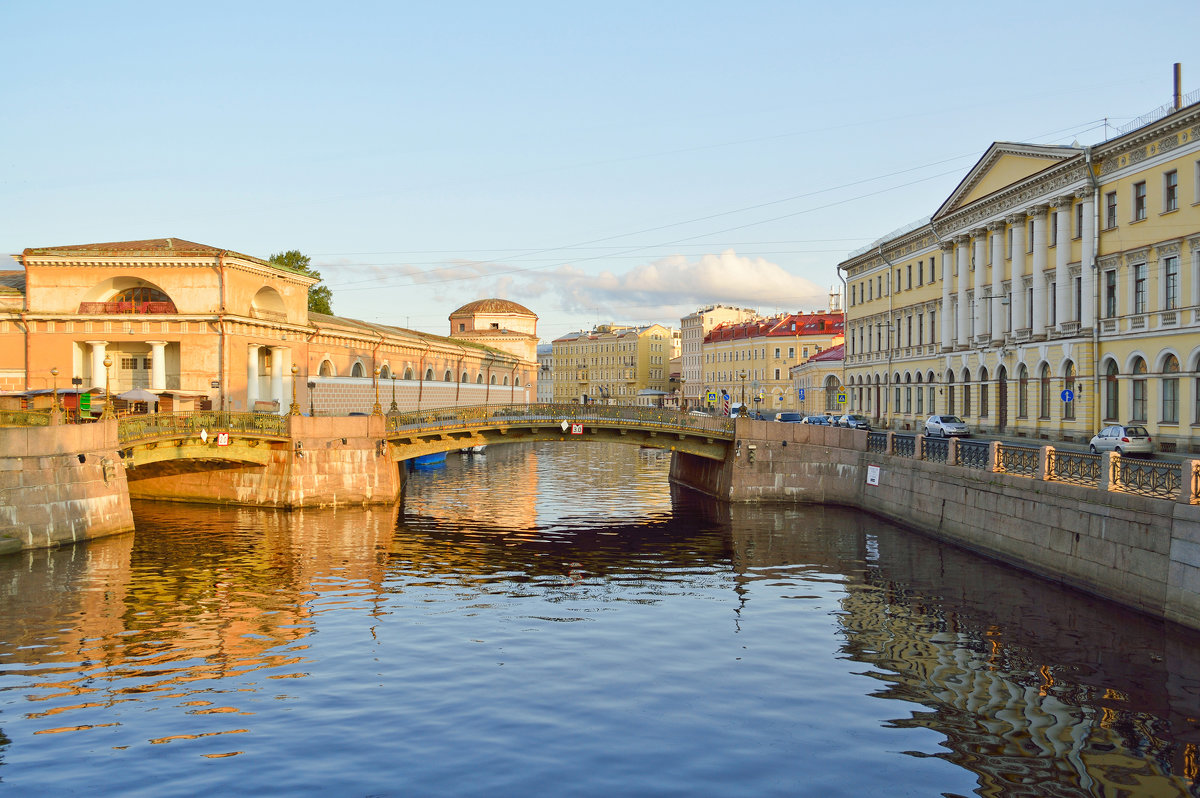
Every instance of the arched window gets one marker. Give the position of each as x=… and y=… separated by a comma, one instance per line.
x=385, y=373
x=950, y=392
x=326, y=369
x=908, y=394
x=447, y=377
x=408, y=373
x=1022, y=391
x=1044, y=393
x=479, y=379
x=1170, y=390
x=1112, y=404
x=429, y=375
x=493, y=380
x=358, y=370
x=966, y=381
x=1069, y=385
x=517, y=382
x=465, y=378
x=1138, y=408
x=143, y=293
x=506, y=380
x=983, y=392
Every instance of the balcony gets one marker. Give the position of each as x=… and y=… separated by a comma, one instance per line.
x=1068, y=329
x=125, y=308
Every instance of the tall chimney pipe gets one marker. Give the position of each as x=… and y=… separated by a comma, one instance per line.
x=1178, y=85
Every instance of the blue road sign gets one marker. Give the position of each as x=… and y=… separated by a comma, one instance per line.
x=1068, y=396
x=800, y=391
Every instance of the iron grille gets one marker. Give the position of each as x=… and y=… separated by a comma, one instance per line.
x=936, y=450
x=1075, y=467
x=1159, y=480
x=1019, y=460
x=973, y=454
x=174, y=425
x=904, y=445
x=877, y=442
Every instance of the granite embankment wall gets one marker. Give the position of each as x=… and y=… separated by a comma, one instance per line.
x=60, y=484
x=1138, y=551
x=328, y=462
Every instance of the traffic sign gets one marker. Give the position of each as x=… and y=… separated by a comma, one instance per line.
x=800, y=394
x=711, y=396
x=841, y=397
x=1068, y=396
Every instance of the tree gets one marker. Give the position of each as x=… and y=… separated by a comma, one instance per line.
x=320, y=298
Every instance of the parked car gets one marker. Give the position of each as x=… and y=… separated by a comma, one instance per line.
x=1123, y=439
x=794, y=418
x=853, y=421
x=821, y=420
x=947, y=427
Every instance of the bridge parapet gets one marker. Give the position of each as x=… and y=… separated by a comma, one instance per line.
x=157, y=426
x=449, y=418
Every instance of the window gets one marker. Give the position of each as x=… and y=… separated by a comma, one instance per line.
x=1139, y=288
x=1044, y=393
x=1138, y=392
x=1069, y=385
x=1170, y=283
x=791, y=352
x=1110, y=293
x=1053, y=229
x=1112, y=404
x=1022, y=392
x=1029, y=238
x=1079, y=220
x=1170, y=191
x=950, y=393
x=983, y=392
x=1139, y=200
x=1110, y=210
x=462, y=327
x=920, y=272
x=1170, y=390
x=966, y=392
x=776, y=351
x=908, y=278
x=870, y=290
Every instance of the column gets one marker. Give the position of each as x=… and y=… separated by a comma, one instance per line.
x=977, y=314
x=1040, y=255
x=1087, y=248
x=1017, y=276
x=961, y=245
x=1062, y=256
x=998, y=310
x=946, y=327
x=99, y=375
x=251, y=375
x=277, y=377
x=158, y=365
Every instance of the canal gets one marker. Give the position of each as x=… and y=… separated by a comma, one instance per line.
x=557, y=620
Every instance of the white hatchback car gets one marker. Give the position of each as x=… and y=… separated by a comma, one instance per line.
x=946, y=427
x=1123, y=439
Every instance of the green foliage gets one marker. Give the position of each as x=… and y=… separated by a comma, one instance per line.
x=320, y=298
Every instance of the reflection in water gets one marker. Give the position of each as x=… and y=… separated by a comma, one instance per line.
x=557, y=619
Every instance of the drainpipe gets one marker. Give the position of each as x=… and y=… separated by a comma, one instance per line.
x=221, y=330
x=1095, y=415
x=308, y=360
x=845, y=332
x=887, y=378
x=421, y=383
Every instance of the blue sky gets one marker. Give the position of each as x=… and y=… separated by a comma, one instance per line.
x=616, y=161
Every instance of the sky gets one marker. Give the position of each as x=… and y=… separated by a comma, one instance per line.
x=620, y=162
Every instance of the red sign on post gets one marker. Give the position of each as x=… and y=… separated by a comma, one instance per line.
x=222, y=439
x=576, y=429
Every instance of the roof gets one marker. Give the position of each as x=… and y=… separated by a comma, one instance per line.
x=322, y=319
x=150, y=246
x=492, y=306
x=832, y=353
x=788, y=325
x=12, y=283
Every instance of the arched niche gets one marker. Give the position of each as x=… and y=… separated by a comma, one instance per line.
x=268, y=304
x=126, y=294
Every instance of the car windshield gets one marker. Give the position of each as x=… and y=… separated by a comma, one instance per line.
x=1137, y=432
x=951, y=420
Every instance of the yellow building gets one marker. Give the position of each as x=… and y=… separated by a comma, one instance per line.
x=817, y=382
x=750, y=360
x=611, y=364
x=692, y=330
x=1056, y=290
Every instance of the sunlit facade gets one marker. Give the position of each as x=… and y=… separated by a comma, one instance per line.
x=612, y=364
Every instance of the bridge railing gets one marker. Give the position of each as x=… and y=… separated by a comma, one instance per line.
x=24, y=418
x=554, y=414
x=132, y=429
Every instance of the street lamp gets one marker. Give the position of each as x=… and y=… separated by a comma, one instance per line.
x=312, y=389
x=78, y=383
x=294, y=410
x=683, y=392
x=54, y=374
x=395, y=408
x=376, y=410
x=742, y=375
x=108, y=409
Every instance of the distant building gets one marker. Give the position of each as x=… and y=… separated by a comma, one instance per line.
x=817, y=381
x=692, y=329
x=611, y=364
x=751, y=359
x=545, y=380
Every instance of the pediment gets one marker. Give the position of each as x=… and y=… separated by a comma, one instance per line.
x=1003, y=165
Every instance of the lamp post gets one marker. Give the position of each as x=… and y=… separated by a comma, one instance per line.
x=742, y=375
x=395, y=408
x=78, y=383
x=683, y=393
x=376, y=410
x=294, y=410
x=54, y=375
x=312, y=388
x=108, y=408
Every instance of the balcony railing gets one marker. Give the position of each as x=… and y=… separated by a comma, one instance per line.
x=114, y=308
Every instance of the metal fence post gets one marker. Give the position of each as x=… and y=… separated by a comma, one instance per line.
x=1044, y=456
x=1108, y=461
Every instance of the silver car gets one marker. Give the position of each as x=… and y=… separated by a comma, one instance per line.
x=1123, y=439
x=946, y=427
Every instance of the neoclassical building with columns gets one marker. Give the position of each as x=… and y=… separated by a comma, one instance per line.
x=201, y=326
x=1055, y=291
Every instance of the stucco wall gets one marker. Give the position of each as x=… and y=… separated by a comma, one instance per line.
x=60, y=484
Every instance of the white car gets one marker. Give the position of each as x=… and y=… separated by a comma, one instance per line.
x=946, y=427
x=1122, y=439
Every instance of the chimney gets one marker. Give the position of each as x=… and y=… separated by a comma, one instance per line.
x=1178, y=85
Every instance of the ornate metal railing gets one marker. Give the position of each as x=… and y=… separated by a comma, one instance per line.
x=1147, y=478
x=24, y=418
x=131, y=429
x=877, y=442
x=904, y=445
x=973, y=454
x=1078, y=468
x=935, y=450
x=556, y=414
x=1019, y=460
x=110, y=308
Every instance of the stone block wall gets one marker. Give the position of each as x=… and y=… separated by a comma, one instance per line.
x=61, y=484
